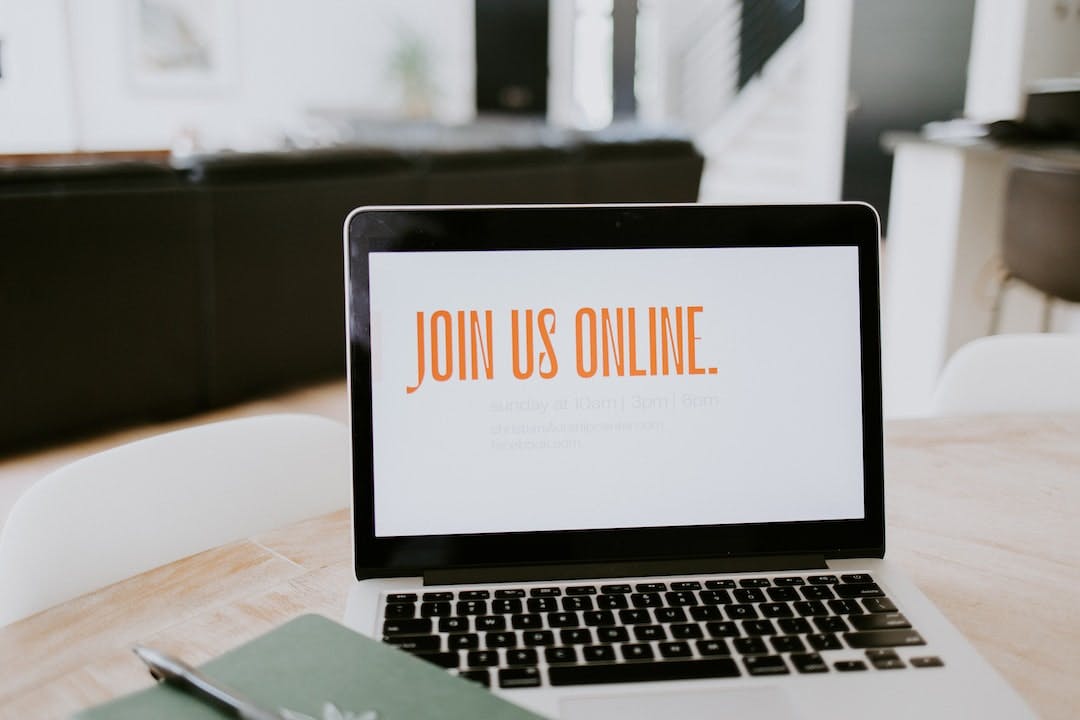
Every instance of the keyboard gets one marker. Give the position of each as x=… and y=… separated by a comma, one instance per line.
x=583, y=633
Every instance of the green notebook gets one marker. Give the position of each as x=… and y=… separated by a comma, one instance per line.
x=311, y=661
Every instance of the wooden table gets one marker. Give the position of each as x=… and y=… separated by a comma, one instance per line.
x=984, y=513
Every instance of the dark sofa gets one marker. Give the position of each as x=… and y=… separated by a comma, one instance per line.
x=135, y=291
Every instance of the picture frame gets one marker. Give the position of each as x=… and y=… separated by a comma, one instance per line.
x=183, y=46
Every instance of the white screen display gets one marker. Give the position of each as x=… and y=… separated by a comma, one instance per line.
x=593, y=389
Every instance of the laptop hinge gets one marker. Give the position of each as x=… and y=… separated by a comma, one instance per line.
x=582, y=571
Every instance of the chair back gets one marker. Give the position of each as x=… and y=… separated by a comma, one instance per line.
x=132, y=508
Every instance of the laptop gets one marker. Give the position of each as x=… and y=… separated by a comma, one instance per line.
x=626, y=461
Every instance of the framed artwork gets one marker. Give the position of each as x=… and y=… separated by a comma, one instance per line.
x=183, y=45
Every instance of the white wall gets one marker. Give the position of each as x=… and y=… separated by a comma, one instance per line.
x=293, y=55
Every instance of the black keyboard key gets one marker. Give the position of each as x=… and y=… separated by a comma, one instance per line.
x=612, y=602
x=454, y=624
x=787, y=643
x=789, y=581
x=810, y=608
x=407, y=627
x=754, y=582
x=646, y=600
x=505, y=606
x=449, y=660
x=401, y=598
x=869, y=590
x=416, y=643
x=599, y=618
x=526, y=622
x=823, y=579
x=576, y=636
x=782, y=594
x=526, y=656
x=636, y=651
x=689, y=631
x=722, y=629
x=758, y=627
x=519, y=677
x=793, y=626
x=575, y=603
x=715, y=597
x=719, y=584
x=683, y=598
x=831, y=624
x=612, y=634
x=824, y=641
x=741, y=612
x=652, y=587
x=817, y=592
x=881, y=654
x=670, y=614
x=686, y=585
x=483, y=677
x=876, y=605
x=849, y=665
x=533, y=638
x=674, y=650
x=545, y=592
x=857, y=578
x=649, y=632
x=776, y=610
x=474, y=595
x=643, y=671
x=400, y=611
x=888, y=664
x=599, y=653
x=926, y=662
x=435, y=609
x=472, y=607
x=614, y=589
x=560, y=655
x=542, y=604
x=438, y=596
x=482, y=658
x=510, y=593
x=883, y=638
x=491, y=623
x=845, y=607
x=748, y=595
x=463, y=641
x=581, y=590
x=808, y=663
x=562, y=619
x=701, y=613
x=750, y=646
x=634, y=617
x=710, y=648
x=766, y=665
x=501, y=640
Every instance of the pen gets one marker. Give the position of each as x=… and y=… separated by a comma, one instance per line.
x=181, y=675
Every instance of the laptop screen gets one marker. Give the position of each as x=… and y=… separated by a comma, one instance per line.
x=583, y=389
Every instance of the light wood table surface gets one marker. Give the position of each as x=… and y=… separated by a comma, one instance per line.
x=983, y=513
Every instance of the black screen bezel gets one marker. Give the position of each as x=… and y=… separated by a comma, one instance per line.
x=405, y=229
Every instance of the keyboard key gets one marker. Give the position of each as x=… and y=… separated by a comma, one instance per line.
x=754, y=582
x=501, y=639
x=557, y=655
x=722, y=629
x=563, y=619
x=635, y=617
x=715, y=597
x=682, y=598
x=519, y=677
x=545, y=592
x=689, y=631
x=577, y=603
x=776, y=610
x=845, y=607
x=830, y=624
x=748, y=595
x=701, y=613
x=407, y=627
x=532, y=638
x=599, y=653
x=612, y=602
x=868, y=590
x=670, y=614
x=526, y=622
x=438, y=596
x=399, y=611
x=741, y=612
x=482, y=658
x=454, y=624
x=686, y=585
x=649, y=632
x=612, y=634
x=643, y=671
x=809, y=608
x=879, y=621
x=881, y=654
x=483, y=677
x=525, y=656
x=576, y=636
x=782, y=594
x=636, y=651
x=709, y=648
x=435, y=609
x=883, y=638
x=824, y=641
x=401, y=598
x=808, y=663
x=416, y=643
x=857, y=578
x=474, y=595
x=652, y=587
x=766, y=665
x=750, y=646
x=876, y=605
x=505, y=606
x=581, y=590
x=449, y=660
x=719, y=584
x=926, y=662
x=597, y=618
x=674, y=650
x=510, y=593
x=888, y=664
x=463, y=641
x=787, y=643
x=823, y=579
x=472, y=607
x=758, y=627
x=849, y=665
x=491, y=623
x=789, y=581
x=646, y=600
x=542, y=604
x=614, y=589
x=818, y=592
x=793, y=626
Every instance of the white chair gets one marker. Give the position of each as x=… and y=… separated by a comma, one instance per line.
x=1021, y=373
x=135, y=507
